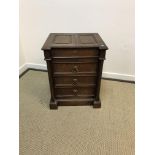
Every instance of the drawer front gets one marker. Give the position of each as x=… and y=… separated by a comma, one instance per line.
x=75, y=52
x=74, y=60
x=76, y=92
x=74, y=80
x=74, y=68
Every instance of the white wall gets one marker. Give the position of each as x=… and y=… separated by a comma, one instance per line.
x=21, y=59
x=21, y=56
x=22, y=62
x=113, y=20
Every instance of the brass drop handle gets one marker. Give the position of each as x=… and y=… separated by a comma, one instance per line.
x=74, y=82
x=75, y=91
x=75, y=69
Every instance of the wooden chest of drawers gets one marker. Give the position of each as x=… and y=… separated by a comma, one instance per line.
x=74, y=63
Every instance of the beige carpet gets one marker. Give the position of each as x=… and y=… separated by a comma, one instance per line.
x=79, y=130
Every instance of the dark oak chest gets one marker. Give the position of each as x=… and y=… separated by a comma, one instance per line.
x=74, y=63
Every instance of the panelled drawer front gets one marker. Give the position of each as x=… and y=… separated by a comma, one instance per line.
x=73, y=63
x=74, y=52
x=75, y=60
x=75, y=67
x=74, y=92
x=75, y=80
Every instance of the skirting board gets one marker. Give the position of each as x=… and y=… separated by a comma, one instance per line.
x=23, y=68
x=110, y=75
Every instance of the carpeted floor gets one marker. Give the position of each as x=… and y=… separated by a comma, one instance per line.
x=79, y=130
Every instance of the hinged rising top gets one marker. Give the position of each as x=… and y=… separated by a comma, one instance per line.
x=74, y=40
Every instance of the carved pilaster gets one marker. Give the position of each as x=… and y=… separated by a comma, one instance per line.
x=48, y=58
x=97, y=102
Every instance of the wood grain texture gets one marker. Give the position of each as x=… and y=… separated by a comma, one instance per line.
x=71, y=40
x=75, y=64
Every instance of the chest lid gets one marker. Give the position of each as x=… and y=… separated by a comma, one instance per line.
x=74, y=40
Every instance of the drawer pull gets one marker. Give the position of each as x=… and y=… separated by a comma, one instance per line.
x=75, y=91
x=74, y=82
x=75, y=69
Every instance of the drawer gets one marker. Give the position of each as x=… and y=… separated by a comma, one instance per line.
x=74, y=80
x=75, y=52
x=75, y=60
x=74, y=92
x=75, y=68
